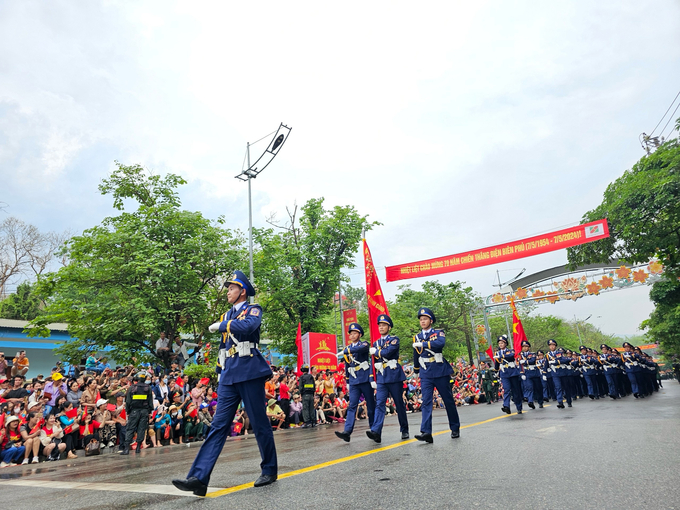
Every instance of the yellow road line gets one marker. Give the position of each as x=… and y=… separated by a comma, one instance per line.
x=237, y=488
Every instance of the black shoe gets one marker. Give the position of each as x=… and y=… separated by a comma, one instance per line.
x=373, y=435
x=540, y=406
x=424, y=437
x=126, y=451
x=138, y=449
x=592, y=397
x=519, y=412
x=404, y=436
x=455, y=434
x=506, y=410
x=568, y=405
x=532, y=405
x=192, y=484
x=560, y=406
x=488, y=403
x=342, y=435
x=265, y=480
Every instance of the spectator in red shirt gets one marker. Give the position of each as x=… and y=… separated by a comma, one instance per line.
x=284, y=400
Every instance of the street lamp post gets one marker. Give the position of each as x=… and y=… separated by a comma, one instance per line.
x=252, y=171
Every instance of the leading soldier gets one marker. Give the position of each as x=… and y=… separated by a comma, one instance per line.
x=138, y=406
x=435, y=372
x=242, y=372
x=532, y=372
x=510, y=375
x=390, y=379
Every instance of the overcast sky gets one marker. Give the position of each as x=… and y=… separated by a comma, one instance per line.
x=457, y=125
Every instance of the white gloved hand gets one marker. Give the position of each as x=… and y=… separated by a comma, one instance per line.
x=417, y=345
x=214, y=327
x=373, y=385
x=341, y=354
x=524, y=377
x=522, y=361
x=545, y=377
x=372, y=350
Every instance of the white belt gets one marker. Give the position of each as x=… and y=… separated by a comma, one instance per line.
x=392, y=363
x=438, y=357
x=509, y=364
x=530, y=368
x=362, y=366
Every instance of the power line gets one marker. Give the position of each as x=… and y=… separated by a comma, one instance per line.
x=669, y=120
x=664, y=115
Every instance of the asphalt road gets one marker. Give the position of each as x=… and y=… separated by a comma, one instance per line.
x=599, y=454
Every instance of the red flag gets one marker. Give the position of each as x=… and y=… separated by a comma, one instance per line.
x=298, y=343
x=376, y=300
x=179, y=382
x=72, y=413
x=489, y=353
x=518, y=335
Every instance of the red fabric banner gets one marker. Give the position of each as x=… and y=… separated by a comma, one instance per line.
x=376, y=300
x=489, y=353
x=322, y=351
x=518, y=335
x=529, y=247
x=348, y=317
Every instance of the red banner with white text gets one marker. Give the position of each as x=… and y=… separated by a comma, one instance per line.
x=348, y=317
x=544, y=243
x=320, y=350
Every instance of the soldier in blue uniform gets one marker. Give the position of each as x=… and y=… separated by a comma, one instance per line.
x=630, y=360
x=435, y=372
x=546, y=376
x=242, y=372
x=558, y=363
x=589, y=367
x=510, y=375
x=532, y=375
x=390, y=379
x=359, y=377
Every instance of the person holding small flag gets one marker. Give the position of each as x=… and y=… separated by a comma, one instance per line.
x=434, y=372
x=360, y=378
x=390, y=379
x=504, y=360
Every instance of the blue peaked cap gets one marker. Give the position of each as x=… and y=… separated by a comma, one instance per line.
x=355, y=326
x=242, y=281
x=427, y=313
x=386, y=319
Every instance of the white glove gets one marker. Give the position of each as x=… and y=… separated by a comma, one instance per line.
x=214, y=327
x=373, y=385
x=522, y=361
x=341, y=354
x=524, y=377
x=545, y=377
x=417, y=345
x=372, y=350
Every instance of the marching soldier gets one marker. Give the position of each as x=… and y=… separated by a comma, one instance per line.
x=359, y=377
x=546, y=376
x=576, y=376
x=242, y=372
x=532, y=375
x=390, y=379
x=435, y=372
x=138, y=406
x=510, y=375
x=630, y=360
x=560, y=373
x=588, y=364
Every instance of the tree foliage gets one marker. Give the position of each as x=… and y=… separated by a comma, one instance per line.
x=642, y=208
x=23, y=305
x=298, y=267
x=156, y=268
x=663, y=324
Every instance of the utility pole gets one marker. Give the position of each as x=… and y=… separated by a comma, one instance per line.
x=467, y=337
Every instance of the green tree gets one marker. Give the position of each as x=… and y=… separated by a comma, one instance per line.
x=663, y=324
x=642, y=208
x=24, y=305
x=451, y=304
x=156, y=268
x=298, y=268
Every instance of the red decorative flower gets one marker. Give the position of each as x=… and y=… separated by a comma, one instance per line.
x=606, y=282
x=593, y=288
x=552, y=297
x=538, y=294
x=655, y=267
x=520, y=293
x=623, y=272
x=640, y=276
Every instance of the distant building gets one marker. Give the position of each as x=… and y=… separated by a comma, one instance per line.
x=39, y=350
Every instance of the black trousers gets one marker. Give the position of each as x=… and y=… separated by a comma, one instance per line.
x=138, y=421
x=308, y=412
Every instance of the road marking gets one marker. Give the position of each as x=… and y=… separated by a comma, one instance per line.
x=168, y=490
x=237, y=488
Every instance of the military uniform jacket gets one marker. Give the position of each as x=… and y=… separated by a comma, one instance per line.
x=557, y=363
x=238, y=357
x=631, y=361
x=358, y=368
x=589, y=364
x=505, y=361
x=386, y=361
x=528, y=362
x=428, y=360
x=139, y=396
x=486, y=377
